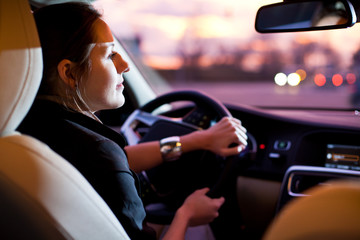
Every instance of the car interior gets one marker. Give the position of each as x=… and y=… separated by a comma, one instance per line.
x=297, y=179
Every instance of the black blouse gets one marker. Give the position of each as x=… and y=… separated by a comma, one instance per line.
x=97, y=152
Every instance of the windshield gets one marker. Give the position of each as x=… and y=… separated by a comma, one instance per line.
x=212, y=46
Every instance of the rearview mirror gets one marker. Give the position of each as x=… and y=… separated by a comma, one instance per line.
x=305, y=16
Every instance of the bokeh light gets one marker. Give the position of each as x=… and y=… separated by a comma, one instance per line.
x=350, y=78
x=294, y=79
x=302, y=74
x=337, y=80
x=319, y=79
x=280, y=79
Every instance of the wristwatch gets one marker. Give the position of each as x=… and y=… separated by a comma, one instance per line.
x=170, y=148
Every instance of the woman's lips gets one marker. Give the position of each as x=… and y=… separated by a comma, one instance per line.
x=120, y=86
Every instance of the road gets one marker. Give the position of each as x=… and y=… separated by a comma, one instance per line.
x=269, y=94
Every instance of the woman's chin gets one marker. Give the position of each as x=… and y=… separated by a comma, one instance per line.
x=120, y=102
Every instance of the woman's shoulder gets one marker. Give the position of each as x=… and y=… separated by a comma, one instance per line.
x=42, y=117
x=50, y=119
x=74, y=135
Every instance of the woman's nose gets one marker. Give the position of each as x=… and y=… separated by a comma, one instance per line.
x=122, y=66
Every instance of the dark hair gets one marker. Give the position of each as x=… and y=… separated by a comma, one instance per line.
x=66, y=32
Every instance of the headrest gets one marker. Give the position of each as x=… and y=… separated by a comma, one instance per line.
x=20, y=63
x=329, y=212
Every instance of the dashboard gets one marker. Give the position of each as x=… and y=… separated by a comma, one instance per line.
x=294, y=151
x=285, y=138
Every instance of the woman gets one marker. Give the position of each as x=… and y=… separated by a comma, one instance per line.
x=82, y=75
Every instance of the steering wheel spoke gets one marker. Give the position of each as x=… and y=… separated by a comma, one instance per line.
x=139, y=122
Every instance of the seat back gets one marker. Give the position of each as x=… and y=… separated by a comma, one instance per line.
x=329, y=212
x=42, y=196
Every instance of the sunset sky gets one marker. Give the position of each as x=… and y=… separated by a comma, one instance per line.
x=163, y=25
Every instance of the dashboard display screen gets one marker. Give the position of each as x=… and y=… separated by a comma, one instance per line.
x=343, y=156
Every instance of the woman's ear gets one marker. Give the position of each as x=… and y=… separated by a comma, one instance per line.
x=64, y=70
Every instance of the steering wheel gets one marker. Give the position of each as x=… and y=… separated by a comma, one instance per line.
x=171, y=182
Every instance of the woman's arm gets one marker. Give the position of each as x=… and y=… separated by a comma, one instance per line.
x=144, y=156
x=217, y=139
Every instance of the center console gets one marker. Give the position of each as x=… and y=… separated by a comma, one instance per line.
x=298, y=178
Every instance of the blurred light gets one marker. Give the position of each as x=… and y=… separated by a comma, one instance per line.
x=350, y=78
x=262, y=146
x=319, y=79
x=337, y=80
x=280, y=79
x=302, y=74
x=294, y=79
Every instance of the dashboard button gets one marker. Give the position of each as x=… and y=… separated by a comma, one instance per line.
x=282, y=145
x=274, y=155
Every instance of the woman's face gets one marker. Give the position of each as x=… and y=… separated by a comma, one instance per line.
x=103, y=88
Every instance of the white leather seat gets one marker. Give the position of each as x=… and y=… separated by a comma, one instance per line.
x=42, y=196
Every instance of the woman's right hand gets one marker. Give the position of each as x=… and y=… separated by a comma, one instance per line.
x=200, y=209
x=197, y=209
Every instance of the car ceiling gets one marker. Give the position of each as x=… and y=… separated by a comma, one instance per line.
x=41, y=3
